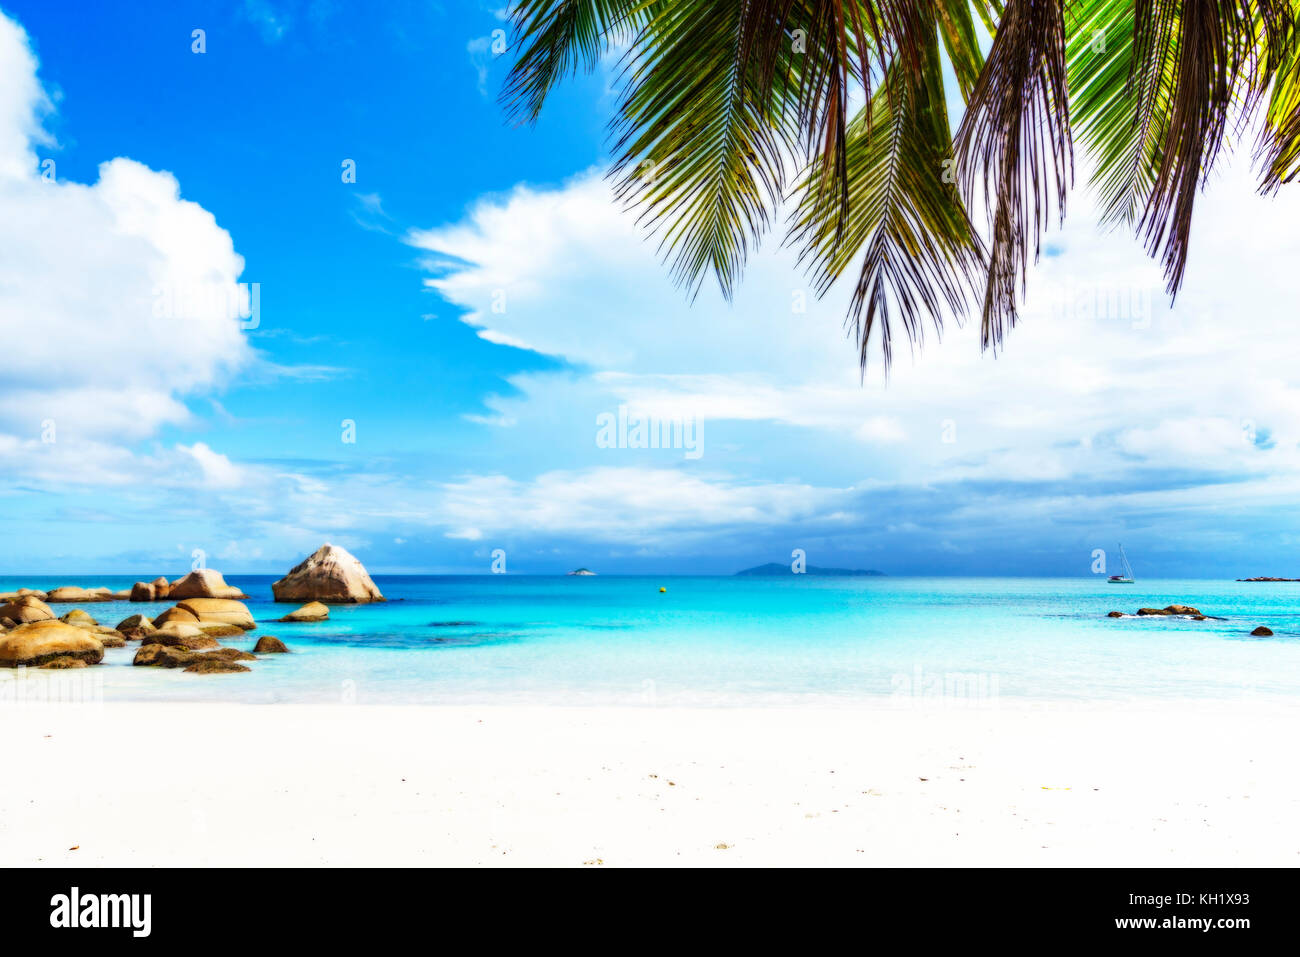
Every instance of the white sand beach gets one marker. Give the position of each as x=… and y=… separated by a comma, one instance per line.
x=232, y=785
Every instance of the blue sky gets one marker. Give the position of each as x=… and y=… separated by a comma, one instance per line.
x=474, y=304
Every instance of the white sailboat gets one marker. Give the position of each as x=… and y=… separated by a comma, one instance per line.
x=1127, y=577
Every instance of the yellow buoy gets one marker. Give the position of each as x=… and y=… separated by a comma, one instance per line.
x=663, y=589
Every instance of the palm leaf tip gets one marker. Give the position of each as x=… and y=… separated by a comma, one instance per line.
x=1015, y=144
x=920, y=256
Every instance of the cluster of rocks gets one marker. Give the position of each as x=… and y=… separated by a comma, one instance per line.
x=65, y=594
x=1189, y=612
x=200, y=583
x=183, y=636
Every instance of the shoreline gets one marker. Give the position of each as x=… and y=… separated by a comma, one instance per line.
x=505, y=784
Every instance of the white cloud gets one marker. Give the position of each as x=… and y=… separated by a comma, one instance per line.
x=117, y=299
x=628, y=504
x=1099, y=366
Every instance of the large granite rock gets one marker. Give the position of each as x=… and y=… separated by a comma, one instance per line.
x=270, y=645
x=203, y=583
x=27, y=608
x=330, y=574
x=36, y=643
x=223, y=610
x=143, y=591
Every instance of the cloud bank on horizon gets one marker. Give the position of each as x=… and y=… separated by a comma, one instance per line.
x=1109, y=415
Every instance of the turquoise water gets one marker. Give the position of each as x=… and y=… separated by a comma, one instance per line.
x=613, y=640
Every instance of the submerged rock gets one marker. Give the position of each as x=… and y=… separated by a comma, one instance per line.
x=62, y=664
x=330, y=574
x=216, y=666
x=230, y=654
x=219, y=629
x=37, y=642
x=1115, y=614
x=1262, y=632
x=312, y=611
x=269, y=645
x=163, y=656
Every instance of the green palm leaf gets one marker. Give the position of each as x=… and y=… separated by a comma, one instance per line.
x=919, y=253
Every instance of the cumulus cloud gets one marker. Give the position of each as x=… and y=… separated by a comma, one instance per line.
x=118, y=298
x=1100, y=362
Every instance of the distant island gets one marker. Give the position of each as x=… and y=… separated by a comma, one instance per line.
x=1267, y=579
x=777, y=568
x=582, y=571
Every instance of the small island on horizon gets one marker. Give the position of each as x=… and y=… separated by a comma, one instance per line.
x=777, y=568
x=582, y=571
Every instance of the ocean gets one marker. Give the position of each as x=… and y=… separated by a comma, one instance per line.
x=724, y=641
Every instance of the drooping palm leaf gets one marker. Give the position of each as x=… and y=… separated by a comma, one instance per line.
x=1014, y=145
x=1279, y=148
x=1225, y=52
x=557, y=38
x=696, y=152
x=723, y=95
x=1120, y=105
x=919, y=252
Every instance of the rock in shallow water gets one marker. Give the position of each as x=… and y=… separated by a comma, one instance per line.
x=25, y=609
x=163, y=656
x=1262, y=632
x=136, y=626
x=216, y=666
x=219, y=610
x=203, y=583
x=37, y=642
x=312, y=611
x=269, y=645
x=230, y=654
x=329, y=574
x=63, y=664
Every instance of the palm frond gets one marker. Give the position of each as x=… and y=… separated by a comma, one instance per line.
x=1279, y=147
x=919, y=251
x=1225, y=52
x=1015, y=145
x=558, y=37
x=1120, y=104
x=696, y=153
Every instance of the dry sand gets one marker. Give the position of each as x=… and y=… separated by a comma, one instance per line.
x=239, y=785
